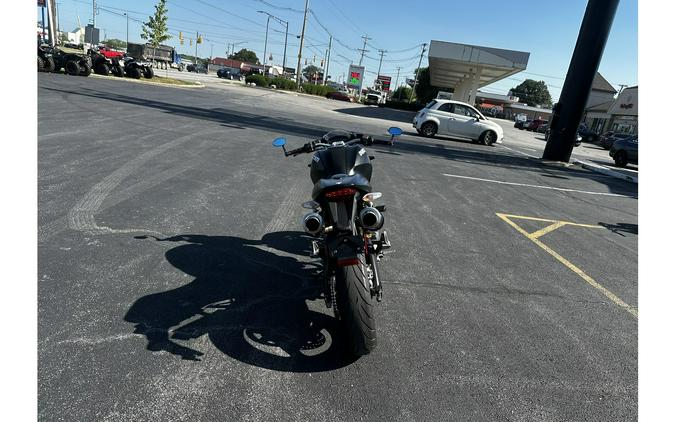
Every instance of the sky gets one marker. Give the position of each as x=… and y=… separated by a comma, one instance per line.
x=546, y=29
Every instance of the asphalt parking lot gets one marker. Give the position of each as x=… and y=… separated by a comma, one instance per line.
x=175, y=283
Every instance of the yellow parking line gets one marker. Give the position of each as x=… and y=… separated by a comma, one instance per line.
x=556, y=224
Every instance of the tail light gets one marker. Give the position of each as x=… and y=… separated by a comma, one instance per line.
x=340, y=194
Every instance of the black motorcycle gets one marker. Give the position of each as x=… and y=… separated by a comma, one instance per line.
x=347, y=227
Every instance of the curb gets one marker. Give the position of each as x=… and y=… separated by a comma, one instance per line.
x=604, y=170
x=141, y=81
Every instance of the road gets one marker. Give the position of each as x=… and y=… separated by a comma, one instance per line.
x=174, y=283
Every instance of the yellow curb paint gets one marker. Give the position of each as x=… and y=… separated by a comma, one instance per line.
x=534, y=237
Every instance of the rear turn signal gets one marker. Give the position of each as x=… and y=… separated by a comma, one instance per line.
x=339, y=194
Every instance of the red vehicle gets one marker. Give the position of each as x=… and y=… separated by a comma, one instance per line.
x=105, y=60
x=535, y=124
x=337, y=95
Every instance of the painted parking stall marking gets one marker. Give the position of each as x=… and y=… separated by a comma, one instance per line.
x=527, y=185
x=556, y=224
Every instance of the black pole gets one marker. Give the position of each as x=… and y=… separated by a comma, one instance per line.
x=584, y=64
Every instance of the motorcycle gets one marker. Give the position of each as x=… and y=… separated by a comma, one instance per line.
x=347, y=229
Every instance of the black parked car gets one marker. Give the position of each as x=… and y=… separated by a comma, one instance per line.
x=227, y=73
x=625, y=151
x=588, y=135
x=607, y=141
x=197, y=69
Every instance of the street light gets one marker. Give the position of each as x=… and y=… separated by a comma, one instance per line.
x=283, y=22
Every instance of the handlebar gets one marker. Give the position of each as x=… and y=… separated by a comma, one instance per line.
x=311, y=146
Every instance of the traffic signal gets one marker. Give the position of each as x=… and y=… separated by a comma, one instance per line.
x=181, y=41
x=321, y=63
x=199, y=39
x=190, y=41
x=180, y=35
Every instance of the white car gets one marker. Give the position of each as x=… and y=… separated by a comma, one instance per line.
x=458, y=120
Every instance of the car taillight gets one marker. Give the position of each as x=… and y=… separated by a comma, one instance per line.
x=340, y=194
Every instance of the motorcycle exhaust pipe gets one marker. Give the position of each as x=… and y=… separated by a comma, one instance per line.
x=313, y=223
x=371, y=218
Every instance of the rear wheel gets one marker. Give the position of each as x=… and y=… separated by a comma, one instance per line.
x=40, y=64
x=49, y=65
x=102, y=69
x=428, y=129
x=148, y=73
x=620, y=158
x=72, y=68
x=134, y=72
x=355, y=307
x=117, y=71
x=85, y=69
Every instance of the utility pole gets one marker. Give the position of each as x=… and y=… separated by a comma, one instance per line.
x=196, y=44
x=398, y=69
x=302, y=39
x=363, y=50
x=127, y=15
x=93, y=15
x=330, y=41
x=417, y=73
x=283, y=66
x=621, y=87
x=380, y=66
x=588, y=51
x=265, y=49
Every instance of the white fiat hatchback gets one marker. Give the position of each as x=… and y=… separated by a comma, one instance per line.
x=457, y=120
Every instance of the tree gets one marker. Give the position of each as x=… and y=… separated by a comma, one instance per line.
x=115, y=43
x=401, y=93
x=155, y=30
x=244, y=55
x=424, y=90
x=533, y=93
x=312, y=72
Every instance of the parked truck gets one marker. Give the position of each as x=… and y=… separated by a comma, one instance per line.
x=375, y=97
x=162, y=56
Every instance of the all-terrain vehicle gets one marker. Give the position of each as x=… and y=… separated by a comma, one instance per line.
x=105, y=61
x=69, y=57
x=135, y=69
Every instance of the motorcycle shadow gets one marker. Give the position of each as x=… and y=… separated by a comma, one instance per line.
x=249, y=297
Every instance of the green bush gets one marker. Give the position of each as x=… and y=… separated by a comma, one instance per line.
x=316, y=89
x=259, y=80
x=283, y=83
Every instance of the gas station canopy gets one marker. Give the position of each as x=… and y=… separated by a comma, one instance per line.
x=465, y=68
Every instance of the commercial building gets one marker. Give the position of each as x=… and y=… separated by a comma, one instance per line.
x=623, y=113
x=601, y=97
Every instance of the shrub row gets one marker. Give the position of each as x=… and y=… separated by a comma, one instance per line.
x=280, y=83
x=259, y=80
x=316, y=89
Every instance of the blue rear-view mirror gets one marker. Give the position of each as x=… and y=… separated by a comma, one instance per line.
x=395, y=131
x=279, y=142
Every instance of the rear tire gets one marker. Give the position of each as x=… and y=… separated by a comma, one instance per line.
x=85, y=69
x=102, y=69
x=134, y=72
x=620, y=159
x=40, y=64
x=355, y=307
x=49, y=65
x=72, y=68
x=428, y=129
x=117, y=71
x=148, y=73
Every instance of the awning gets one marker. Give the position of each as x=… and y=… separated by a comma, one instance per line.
x=465, y=68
